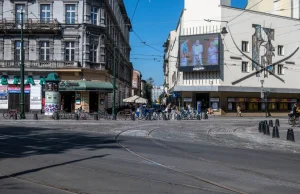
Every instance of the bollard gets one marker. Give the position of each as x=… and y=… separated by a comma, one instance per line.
x=206, y=116
x=271, y=123
x=267, y=130
x=76, y=116
x=260, y=127
x=56, y=117
x=35, y=116
x=277, y=123
x=290, y=135
x=96, y=117
x=133, y=117
x=15, y=116
x=275, y=133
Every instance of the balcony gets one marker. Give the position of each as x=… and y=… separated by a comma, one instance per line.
x=40, y=64
x=31, y=26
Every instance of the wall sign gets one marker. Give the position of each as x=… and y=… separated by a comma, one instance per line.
x=187, y=100
x=16, y=89
x=215, y=99
x=36, y=98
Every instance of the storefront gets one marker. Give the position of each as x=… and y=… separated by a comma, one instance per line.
x=257, y=104
x=90, y=95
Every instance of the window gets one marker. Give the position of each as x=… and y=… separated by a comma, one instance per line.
x=245, y=46
x=94, y=15
x=70, y=51
x=280, y=70
x=45, y=13
x=245, y=68
x=70, y=14
x=18, y=50
x=280, y=50
x=93, y=53
x=19, y=9
x=44, y=51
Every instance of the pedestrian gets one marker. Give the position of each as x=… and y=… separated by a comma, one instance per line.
x=238, y=111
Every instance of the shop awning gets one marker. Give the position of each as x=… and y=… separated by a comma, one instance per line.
x=85, y=86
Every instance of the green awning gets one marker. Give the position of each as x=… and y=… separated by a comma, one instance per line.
x=85, y=86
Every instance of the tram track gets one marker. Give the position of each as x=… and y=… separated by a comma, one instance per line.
x=73, y=191
x=186, y=154
x=200, y=179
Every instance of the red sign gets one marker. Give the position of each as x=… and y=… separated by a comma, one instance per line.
x=12, y=88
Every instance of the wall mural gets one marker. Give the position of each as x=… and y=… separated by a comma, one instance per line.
x=257, y=42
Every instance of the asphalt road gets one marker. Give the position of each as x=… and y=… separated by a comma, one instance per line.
x=120, y=158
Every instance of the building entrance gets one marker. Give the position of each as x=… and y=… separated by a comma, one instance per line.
x=94, y=102
x=14, y=101
x=68, y=101
x=204, y=99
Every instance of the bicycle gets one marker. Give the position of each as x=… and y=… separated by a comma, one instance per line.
x=11, y=113
x=293, y=120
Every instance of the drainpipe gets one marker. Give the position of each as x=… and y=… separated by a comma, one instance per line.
x=83, y=33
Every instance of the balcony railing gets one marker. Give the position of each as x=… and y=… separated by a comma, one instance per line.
x=40, y=64
x=30, y=25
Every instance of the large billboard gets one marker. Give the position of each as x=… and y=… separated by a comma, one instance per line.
x=199, y=52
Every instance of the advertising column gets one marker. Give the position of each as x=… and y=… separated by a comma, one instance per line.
x=3, y=97
x=52, y=98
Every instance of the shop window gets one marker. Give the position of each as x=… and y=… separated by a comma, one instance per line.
x=253, y=106
x=230, y=106
x=242, y=105
x=283, y=106
x=272, y=106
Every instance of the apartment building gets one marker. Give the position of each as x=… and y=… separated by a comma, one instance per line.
x=76, y=39
x=226, y=70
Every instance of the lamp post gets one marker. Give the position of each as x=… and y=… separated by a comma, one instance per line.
x=114, y=86
x=22, y=107
x=264, y=96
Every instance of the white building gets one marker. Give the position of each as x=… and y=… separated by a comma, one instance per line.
x=213, y=81
x=156, y=92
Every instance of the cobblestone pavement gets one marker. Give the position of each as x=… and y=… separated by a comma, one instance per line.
x=219, y=155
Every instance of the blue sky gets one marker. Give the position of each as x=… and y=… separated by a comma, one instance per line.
x=153, y=20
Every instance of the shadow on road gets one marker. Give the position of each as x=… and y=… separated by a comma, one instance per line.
x=17, y=142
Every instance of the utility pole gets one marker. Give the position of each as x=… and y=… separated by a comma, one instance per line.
x=22, y=107
x=114, y=86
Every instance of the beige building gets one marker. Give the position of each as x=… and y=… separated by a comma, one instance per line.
x=136, y=83
x=287, y=8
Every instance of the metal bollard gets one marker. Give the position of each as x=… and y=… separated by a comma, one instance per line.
x=267, y=130
x=277, y=123
x=271, y=123
x=178, y=117
x=133, y=116
x=15, y=116
x=290, y=135
x=275, y=133
x=35, y=116
x=56, y=117
x=260, y=126
x=149, y=116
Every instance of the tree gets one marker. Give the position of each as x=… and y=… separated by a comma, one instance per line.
x=148, y=90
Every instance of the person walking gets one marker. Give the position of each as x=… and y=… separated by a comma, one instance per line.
x=238, y=111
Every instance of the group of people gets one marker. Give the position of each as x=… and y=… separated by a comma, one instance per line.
x=196, y=54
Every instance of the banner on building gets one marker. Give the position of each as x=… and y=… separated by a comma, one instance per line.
x=36, y=97
x=16, y=89
x=3, y=97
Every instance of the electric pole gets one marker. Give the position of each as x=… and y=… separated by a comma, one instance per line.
x=22, y=99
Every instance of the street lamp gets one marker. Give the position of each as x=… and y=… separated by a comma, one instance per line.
x=114, y=86
x=264, y=96
x=22, y=107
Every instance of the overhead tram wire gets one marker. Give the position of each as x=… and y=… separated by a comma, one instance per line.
x=136, y=5
x=244, y=11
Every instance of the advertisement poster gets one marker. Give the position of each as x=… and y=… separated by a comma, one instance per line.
x=3, y=97
x=51, y=104
x=36, y=98
x=200, y=53
x=16, y=89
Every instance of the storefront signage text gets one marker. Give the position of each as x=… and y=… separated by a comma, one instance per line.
x=68, y=84
x=187, y=99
